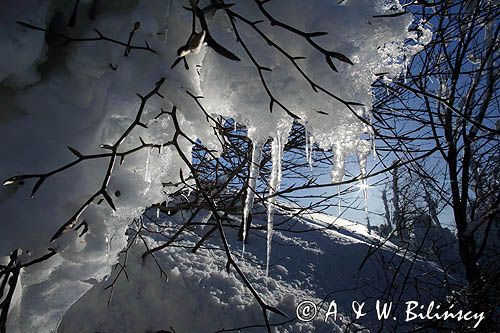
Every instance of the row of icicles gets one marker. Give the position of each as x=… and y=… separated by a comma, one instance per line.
x=277, y=148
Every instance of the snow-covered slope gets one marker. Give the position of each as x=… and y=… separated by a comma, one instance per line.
x=199, y=296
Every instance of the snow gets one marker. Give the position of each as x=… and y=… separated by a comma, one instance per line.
x=83, y=95
x=21, y=49
x=200, y=296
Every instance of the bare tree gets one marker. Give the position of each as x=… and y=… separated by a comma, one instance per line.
x=448, y=102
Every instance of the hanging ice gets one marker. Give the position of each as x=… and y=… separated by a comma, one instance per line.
x=374, y=149
x=339, y=202
x=108, y=246
x=274, y=185
x=309, y=149
x=147, y=177
x=204, y=220
x=363, y=150
x=306, y=137
x=364, y=187
x=338, y=171
x=252, y=181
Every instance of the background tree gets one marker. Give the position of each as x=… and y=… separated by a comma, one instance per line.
x=448, y=103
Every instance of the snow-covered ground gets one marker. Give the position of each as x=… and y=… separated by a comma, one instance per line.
x=307, y=263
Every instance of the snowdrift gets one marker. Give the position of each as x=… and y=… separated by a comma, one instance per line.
x=314, y=258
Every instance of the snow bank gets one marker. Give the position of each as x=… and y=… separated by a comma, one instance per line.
x=201, y=297
x=21, y=49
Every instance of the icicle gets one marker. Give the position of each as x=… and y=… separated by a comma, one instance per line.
x=374, y=149
x=363, y=150
x=338, y=166
x=310, y=157
x=147, y=177
x=339, y=202
x=252, y=181
x=274, y=185
x=309, y=149
x=307, y=145
x=206, y=218
x=108, y=246
x=365, y=197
